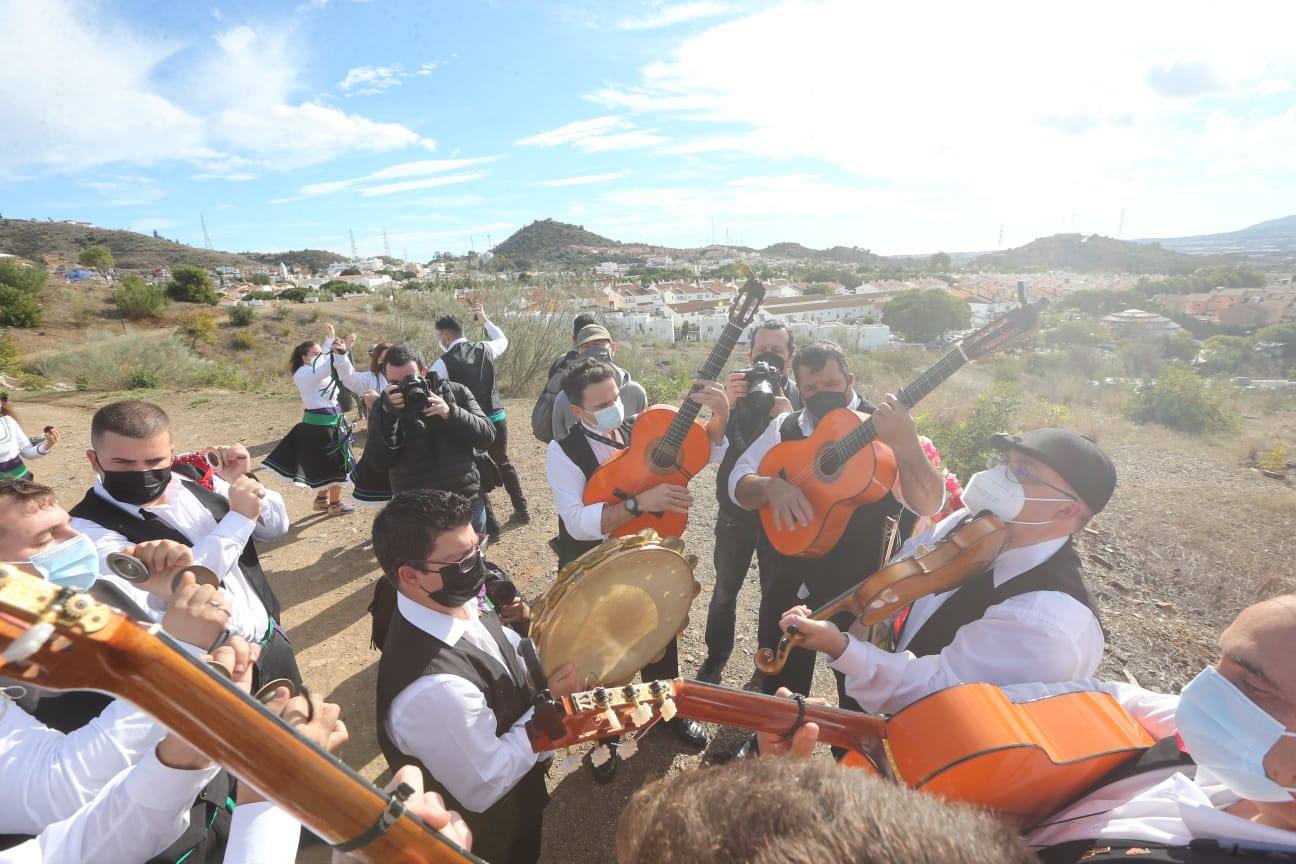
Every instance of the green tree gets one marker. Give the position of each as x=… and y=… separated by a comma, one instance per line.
x=1284, y=335
x=939, y=263
x=259, y=279
x=241, y=316
x=136, y=299
x=350, y=271
x=1077, y=333
x=192, y=284
x=1179, y=399
x=296, y=295
x=336, y=287
x=925, y=315
x=21, y=288
x=198, y=325
x=28, y=280
x=1226, y=355
x=1181, y=347
x=98, y=258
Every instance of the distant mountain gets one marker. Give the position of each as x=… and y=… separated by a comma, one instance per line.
x=310, y=260
x=61, y=242
x=1088, y=253
x=840, y=254
x=548, y=241
x=1275, y=238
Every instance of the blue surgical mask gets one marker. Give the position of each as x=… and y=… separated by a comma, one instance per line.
x=611, y=417
x=74, y=563
x=1229, y=735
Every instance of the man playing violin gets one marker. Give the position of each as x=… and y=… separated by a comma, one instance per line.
x=1029, y=617
x=826, y=383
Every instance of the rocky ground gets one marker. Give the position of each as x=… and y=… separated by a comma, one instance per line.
x=1189, y=539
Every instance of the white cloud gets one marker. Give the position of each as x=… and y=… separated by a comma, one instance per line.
x=583, y=180
x=369, y=80
x=310, y=133
x=125, y=190
x=678, y=13
x=1006, y=123
x=601, y=134
x=425, y=183
x=420, y=168
x=235, y=177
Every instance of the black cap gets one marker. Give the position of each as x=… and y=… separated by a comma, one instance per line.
x=1079, y=461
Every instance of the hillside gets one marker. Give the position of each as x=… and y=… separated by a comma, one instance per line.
x=1276, y=237
x=1089, y=253
x=310, y=260
x=839, y=254
x=547, y=240
x=60, y=242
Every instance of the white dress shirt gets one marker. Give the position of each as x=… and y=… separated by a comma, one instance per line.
x=566, y=479
x=216, y=546
x=1172, y=806
x=314, y=380
x=496, y=345
x=261, y=833
x=443, y=720
x=366, y=380
x=1039, y=636
x=14, y=442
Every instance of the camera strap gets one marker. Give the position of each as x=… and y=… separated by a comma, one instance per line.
x=602, y=439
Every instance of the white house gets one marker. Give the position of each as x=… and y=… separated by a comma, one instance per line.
x=657, y=327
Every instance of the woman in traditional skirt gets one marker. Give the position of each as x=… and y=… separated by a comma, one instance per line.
x=317, y=452
x=370, y=486
x=16, y=446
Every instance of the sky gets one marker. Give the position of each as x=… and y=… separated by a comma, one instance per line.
x=896, y=127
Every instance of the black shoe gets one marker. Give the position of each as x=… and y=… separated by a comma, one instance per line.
x=688, y=731
x=520, y=517
x=605, y=772
x=746, y=750
x=712, y=669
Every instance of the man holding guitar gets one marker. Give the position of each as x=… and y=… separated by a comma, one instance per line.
x=827, y=384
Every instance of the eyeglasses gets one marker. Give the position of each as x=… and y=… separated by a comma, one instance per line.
x=1022, y=473
x=462, y=567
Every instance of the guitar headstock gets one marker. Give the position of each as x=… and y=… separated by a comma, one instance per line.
x=749, y=299
x=47, y=631
x=1001, y=331
x=604, y=712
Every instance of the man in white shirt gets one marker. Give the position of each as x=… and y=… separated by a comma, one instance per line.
x=472, y=364
x=453, y=694
x=136, y=499
x=1030, y=617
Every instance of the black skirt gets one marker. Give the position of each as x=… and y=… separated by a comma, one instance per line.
x=370, y=486
x=313, y=456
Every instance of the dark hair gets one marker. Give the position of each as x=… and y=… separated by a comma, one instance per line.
x=582, y=321
x=817, y=354
x=775, y=325
x=6, y=409
x=581, y=374
x=298, y=358
x=408, y=527
x=374, y=353
x=25, y=490
x=402, y=353
x=132, y=418
x=449, y=322
x=774, y=810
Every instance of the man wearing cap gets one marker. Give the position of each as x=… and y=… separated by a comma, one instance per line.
x=1029, y=618
x=594, y=340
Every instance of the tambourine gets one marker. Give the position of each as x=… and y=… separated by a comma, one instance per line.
x=134, y=571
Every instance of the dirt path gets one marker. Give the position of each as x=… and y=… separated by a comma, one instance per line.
x=1187, y=542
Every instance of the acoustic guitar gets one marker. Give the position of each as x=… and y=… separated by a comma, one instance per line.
x=842, y=466
x=969, y=743
x=56, y=638
x=668, y=444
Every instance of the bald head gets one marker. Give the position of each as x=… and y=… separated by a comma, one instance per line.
x=1255, y=654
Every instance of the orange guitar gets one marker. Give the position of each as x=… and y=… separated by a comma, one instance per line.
x=668, y=444
x=53, y=637
x=968, y=743
x=842, y=466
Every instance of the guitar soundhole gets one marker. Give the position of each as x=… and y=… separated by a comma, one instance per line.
x=663, y=458
x=829, y=464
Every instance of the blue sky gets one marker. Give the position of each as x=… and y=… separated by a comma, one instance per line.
x=932, y=126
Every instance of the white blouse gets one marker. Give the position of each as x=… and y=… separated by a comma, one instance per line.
x=14, y=442
x=314, y=381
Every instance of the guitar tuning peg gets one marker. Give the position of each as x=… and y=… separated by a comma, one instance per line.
x=668, y=709
x=600, y=755
x=627, y=748
x=613, y=721
x=640, y=715
x=27, y=644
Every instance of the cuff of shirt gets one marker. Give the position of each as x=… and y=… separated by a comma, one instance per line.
x=262, y=833
x=858, y=660
x=157, y=787
x=236, y=526
x=589, y=523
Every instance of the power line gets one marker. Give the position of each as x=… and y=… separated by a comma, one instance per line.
x=206, y=238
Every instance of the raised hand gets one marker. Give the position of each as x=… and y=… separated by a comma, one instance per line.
x=197, y=614
x=245, y=496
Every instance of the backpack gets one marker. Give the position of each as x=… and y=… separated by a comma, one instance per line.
x=542, y=413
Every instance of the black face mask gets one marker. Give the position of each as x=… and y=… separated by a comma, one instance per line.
x=457, y=586
x=771, y=358
x=137, y=487
x=824, y=401
x=602, y=352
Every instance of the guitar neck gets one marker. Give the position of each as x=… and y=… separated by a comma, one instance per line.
x=710, y=371
x=909, y=395
x=260, y=749
x=776, y=715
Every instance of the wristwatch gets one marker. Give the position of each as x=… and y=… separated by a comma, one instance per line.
x=632, y=505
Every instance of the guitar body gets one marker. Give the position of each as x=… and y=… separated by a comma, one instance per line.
x=634, y=470
x=835, y=490
x=1025, y=761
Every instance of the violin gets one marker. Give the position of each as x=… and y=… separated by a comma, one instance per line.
x=961, y=554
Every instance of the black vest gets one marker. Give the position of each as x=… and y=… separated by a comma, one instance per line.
x=469, y=364
x=858, y=553
x=93, y=508
x=408, y=654
x=1061, y=572
x=578, y=450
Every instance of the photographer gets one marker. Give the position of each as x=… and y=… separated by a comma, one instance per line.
x=423, y=431
x=756, y=394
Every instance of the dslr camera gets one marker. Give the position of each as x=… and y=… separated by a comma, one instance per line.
x=416, y=392
x=763, y=384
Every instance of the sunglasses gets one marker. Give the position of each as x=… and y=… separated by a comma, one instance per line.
x=451, y=569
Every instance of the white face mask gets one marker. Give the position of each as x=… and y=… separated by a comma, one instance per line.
x=996, y=490
x=1229, y=735
x=610, y=418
